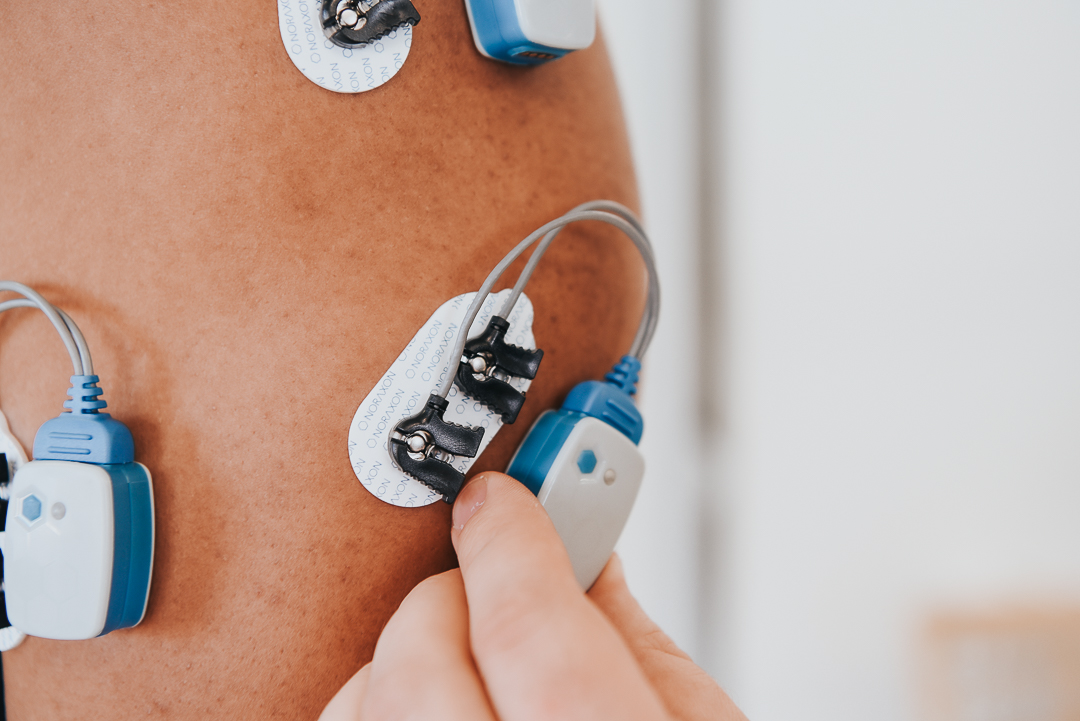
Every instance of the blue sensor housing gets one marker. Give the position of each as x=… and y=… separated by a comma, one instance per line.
x=609, y=400
x=85, y=434
x=531, y=32
x=83, y=464
x=133, y=545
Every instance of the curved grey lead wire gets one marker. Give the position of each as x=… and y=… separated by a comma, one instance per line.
x=652, y=309
x=76, y=334
x=80, y=343
x=631, y=230
x=73, y=340
x=626, y=222
x=609, y=206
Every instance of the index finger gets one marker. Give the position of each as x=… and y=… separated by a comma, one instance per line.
x=544, y=650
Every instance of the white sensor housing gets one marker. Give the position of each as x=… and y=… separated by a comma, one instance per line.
x=73, y=569
x=58, y=549
x=589, y=493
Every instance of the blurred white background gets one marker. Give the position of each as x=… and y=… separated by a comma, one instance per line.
x=863, y=401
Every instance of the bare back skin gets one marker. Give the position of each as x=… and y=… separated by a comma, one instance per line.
x=247, y=253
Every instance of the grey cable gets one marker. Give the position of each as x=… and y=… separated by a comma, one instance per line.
x=652, y=310
x=80, y=343
x=76, y=333
x=69, y=332
x=632, y=229
x=609, y=206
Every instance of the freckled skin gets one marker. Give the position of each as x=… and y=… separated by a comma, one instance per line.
x=247, y=253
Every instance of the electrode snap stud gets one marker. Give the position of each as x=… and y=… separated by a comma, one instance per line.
x=418, y=442
x=425, y=445
x=353, y=23
x=478, y=364
x=350, y=18
x=488, y=364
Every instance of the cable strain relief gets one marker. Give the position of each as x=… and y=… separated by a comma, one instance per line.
x=85, y=434
x=611, y=399
x=624, y=374
x=85, y=438
x=84, y=394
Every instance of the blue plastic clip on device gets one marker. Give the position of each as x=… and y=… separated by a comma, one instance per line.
x=531, y=32
x=79, y=536
x=583, y=464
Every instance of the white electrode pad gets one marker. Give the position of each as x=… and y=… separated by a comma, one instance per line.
x=10, y=637
x=404, y=389
x=342, y=70
x=10, y=447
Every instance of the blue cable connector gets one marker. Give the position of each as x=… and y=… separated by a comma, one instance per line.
x=610, y=400
x=85, y=434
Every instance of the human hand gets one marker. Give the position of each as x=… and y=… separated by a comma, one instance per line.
x=510, y=636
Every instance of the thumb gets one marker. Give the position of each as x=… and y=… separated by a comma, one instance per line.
x=531, y=628
x=507, y=546
x=526, y=536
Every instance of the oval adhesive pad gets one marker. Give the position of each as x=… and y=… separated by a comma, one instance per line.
x=10, y=446
x=342, y=70
x=404, y=389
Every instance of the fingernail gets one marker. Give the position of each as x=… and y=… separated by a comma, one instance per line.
x=469, y=501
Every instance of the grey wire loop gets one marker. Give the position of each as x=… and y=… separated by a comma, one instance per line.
x=652, y=311
x=604, y=211
x=73, y=339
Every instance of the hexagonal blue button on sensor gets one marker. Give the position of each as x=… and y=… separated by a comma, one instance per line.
x=586, y=462
x=31, y=508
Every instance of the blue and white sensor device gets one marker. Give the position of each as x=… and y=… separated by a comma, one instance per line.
x=78, y=542
x=583, y=463
x=531, y=32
